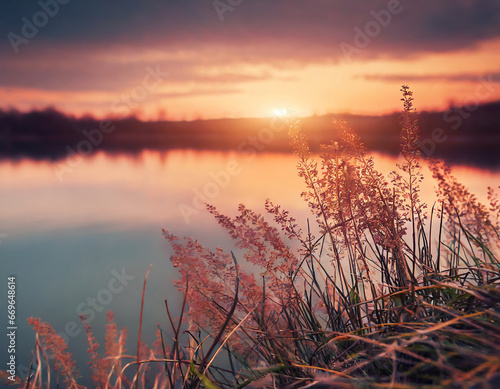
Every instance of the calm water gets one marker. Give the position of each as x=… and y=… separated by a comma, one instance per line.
x=80, y=241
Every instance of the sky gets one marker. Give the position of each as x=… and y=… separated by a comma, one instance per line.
x=194, y=59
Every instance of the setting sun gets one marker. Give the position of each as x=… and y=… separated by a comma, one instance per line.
x=280, y=112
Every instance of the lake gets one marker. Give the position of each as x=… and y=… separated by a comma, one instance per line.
x=79, y=240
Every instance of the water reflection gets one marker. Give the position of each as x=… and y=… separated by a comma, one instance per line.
x=67, y=239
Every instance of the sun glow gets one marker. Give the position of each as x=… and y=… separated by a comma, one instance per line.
x=280, y=112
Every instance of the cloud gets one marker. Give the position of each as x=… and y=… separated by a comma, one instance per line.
x=94, y=71
x=464, y=77
x=276, y=30
x=196, y=92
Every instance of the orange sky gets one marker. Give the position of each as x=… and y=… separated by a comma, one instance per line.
x=228, y=68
